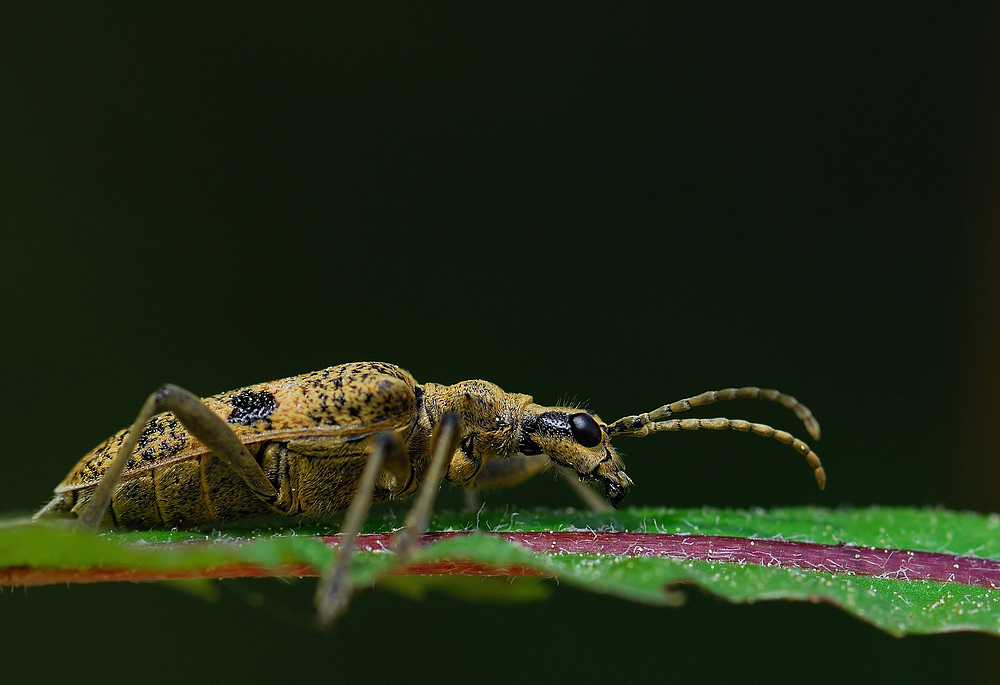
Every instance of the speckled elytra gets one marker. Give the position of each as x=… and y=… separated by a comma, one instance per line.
x=348, y=436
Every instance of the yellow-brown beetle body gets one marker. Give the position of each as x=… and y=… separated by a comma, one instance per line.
x=311, y=436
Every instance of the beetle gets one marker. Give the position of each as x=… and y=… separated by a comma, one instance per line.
x=350, y=435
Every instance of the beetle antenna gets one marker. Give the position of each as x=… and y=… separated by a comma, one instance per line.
x=746, y=426
x=644, y=424
x=632, y=425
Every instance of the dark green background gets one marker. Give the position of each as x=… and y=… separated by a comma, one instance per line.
x=622, y=205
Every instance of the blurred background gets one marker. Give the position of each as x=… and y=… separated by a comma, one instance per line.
x=621, y=205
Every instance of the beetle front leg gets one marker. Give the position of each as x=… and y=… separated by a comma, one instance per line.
x=501, y=473
x=593, y=501
x=507, y=471
x=203, y=424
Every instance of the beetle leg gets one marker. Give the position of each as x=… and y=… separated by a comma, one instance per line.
x=444, y=442
x=470, y=500
x=203, y=424
x=334, y=588
x=501, y=473
x=593, y=501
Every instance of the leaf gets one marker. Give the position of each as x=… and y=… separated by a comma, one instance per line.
x=903, y=570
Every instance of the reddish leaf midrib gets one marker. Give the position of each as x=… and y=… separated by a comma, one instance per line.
x=846, y=559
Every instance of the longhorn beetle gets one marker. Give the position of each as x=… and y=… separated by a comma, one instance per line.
x=348, y=436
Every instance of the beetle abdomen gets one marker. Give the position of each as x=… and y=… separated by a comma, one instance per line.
x=181, y=494
x=172, y=480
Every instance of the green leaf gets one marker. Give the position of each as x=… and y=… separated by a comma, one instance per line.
x=893, y=600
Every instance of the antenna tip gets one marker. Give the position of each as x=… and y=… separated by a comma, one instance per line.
x=821, y=478
x=812, y=425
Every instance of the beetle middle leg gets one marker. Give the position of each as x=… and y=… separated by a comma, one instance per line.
x=444, y=442
x=334, y=588
x=203, y=424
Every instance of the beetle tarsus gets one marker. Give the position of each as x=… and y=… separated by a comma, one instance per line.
x=332, y=597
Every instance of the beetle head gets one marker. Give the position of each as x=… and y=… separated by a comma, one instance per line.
x=577, y=439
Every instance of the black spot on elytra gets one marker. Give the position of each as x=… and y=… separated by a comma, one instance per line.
x=154, y=429
x=250, y=406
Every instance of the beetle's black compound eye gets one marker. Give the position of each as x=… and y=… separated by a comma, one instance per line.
x=585, y=430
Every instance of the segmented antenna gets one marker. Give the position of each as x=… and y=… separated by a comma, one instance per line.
x=644, y=424
x=761, y=429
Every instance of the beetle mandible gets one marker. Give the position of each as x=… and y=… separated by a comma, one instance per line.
x=348, y=436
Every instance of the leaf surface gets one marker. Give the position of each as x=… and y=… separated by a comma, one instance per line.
x=904, y=570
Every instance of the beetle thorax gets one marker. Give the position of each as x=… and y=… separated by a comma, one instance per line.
x=486, y=411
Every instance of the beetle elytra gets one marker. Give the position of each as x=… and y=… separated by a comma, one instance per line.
x=350, y=435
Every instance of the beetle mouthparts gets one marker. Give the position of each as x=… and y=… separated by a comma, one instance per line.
x=614, y=493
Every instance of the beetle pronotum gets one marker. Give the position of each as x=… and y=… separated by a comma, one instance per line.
x=350, y=435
